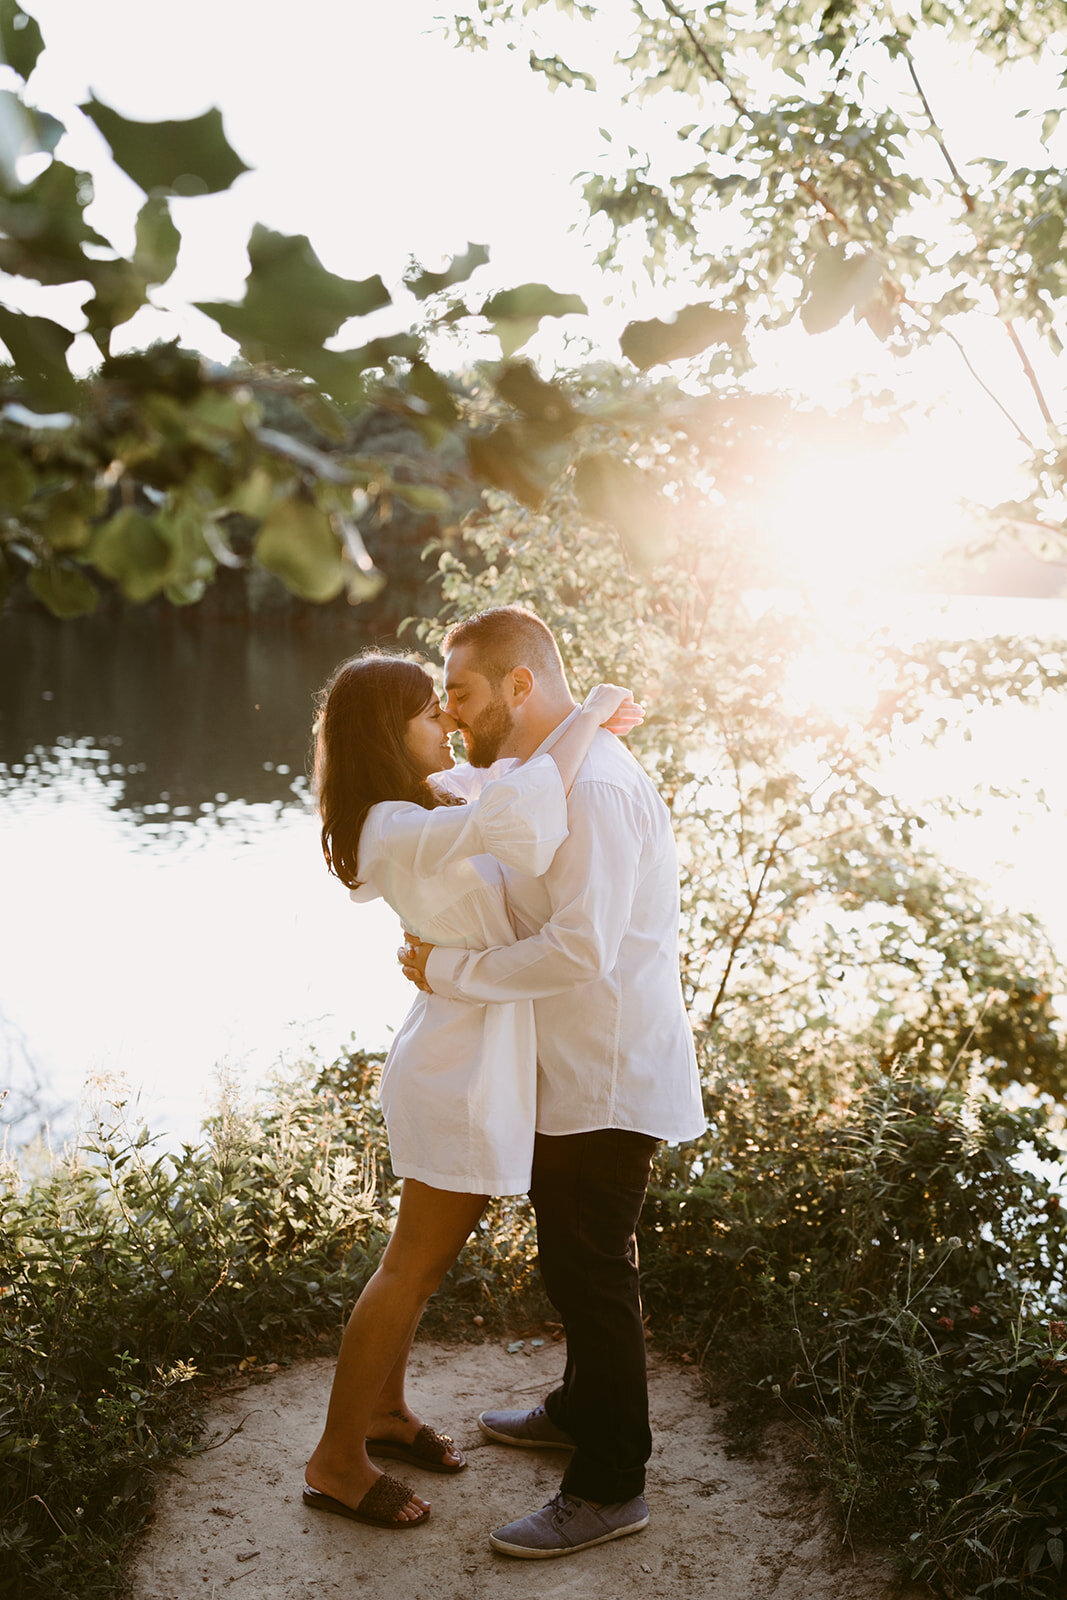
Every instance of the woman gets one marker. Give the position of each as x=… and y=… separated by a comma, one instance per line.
x=459, y=1085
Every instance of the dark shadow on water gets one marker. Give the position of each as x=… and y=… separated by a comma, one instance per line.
x=169, y=713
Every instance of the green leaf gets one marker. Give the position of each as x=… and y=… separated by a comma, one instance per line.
x=1043, y=236
x=836, y=285
x=130, y=549
x=65, y=589
x=427, y=385
x=292, y=304
x=517, y=313
x=191, y=157
x=158, y=241
x=42, y=229
x=628, y=500
x=423, y=497
x=691, y=330
x=506, y=458
x=38, y=349
x=558, y=72
x=422, y=284
x=23, y=131
x=340, y=372
x=121, y=291
x=520, y=386
x=63, y=518
x=20, y=38
x=17, y=480
x=297, y=543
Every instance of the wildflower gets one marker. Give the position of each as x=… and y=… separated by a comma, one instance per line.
x=954, y=1242
x=947, y=1323
x=794, y=1277
x=974, y=1311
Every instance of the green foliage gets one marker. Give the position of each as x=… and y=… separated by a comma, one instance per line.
x=141, y=473
x=809, y=177
x=815, y=920
x=890, y=1272
x=888, y=1267
x=20, y=38
x=516, y=314
x=422, y=283
x=292, y=305
x=184, y=158
x=691, y=331
x=125, y=1272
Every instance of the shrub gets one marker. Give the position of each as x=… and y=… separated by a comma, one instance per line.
x=892, y=1273
x=125, y=1272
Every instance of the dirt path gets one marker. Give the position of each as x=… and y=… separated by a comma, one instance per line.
x=231, y=1520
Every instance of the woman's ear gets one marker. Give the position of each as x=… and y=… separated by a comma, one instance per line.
x=522, y=682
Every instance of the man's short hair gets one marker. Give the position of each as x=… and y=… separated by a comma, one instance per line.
x=505, y=637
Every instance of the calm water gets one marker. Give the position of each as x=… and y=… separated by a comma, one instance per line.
x=164, y=908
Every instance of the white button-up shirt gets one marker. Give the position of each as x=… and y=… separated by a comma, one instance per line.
x=598, y=955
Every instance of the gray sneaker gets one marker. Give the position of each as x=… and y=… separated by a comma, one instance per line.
x=567, y=1525
x=531, y=1430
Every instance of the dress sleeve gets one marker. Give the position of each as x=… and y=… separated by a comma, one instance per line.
x=520, y=818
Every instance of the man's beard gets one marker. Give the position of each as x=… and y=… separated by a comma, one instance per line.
x=487, y=733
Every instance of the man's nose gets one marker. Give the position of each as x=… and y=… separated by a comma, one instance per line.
x=448, y=721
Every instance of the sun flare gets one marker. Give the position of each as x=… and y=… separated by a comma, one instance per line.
x=842, y=518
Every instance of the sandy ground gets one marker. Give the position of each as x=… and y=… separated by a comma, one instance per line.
x=231, y=1520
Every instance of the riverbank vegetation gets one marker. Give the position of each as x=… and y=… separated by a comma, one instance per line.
x=885, y=1273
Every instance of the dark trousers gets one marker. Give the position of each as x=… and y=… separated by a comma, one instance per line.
x=587, y=1192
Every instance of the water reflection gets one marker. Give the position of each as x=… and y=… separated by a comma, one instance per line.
x=173, y=716
x=165, y=905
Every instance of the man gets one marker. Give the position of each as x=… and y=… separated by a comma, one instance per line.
x=616, y=1067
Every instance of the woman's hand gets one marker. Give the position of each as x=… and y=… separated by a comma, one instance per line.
x=615, y=708
x=413, y=955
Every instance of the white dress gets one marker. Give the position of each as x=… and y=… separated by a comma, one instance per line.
x=459, y=1086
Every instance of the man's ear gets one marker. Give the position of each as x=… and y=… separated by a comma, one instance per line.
x=522, y=682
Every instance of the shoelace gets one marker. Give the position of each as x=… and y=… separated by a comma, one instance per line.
x=563, y=1508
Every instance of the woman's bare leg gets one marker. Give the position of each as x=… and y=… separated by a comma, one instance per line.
x=392, y=1417
x=431, y=1229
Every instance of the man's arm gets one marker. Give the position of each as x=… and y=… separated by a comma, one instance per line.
x=591, y=885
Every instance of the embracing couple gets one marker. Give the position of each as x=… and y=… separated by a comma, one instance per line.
x=547, y=1052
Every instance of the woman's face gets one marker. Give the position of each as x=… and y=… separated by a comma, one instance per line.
x=426, y=737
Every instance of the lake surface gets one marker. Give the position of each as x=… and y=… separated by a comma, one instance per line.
x=164, y=907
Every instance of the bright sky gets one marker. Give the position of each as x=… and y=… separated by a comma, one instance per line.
x=373, y=135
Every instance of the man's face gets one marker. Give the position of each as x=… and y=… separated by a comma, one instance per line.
x=485, y=720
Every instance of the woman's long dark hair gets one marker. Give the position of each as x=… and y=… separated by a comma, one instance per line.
x=360, y=756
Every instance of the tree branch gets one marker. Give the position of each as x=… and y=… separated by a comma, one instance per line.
x=1031, y=375
x=804, y=183
x=736, y=941
x=1029, y=443
x=715, y=71
x=967, y=197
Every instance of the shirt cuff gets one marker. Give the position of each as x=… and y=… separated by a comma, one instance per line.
x=442, y=965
